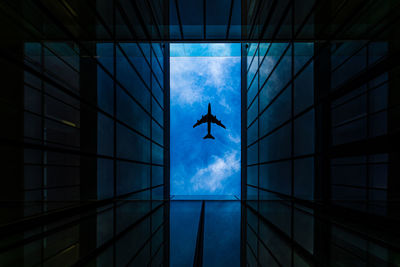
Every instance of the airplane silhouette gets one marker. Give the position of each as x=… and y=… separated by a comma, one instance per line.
x=209, y=118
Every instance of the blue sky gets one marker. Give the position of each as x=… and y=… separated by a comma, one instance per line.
x=202, y=74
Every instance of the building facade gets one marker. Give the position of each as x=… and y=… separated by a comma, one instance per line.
x=85, y=134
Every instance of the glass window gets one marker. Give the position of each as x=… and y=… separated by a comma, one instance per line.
x=277, y=145
x=132, y=146
x=304, y=134
x=105, y=135
x=277, y=177
x=304, y=178
x=276, y=114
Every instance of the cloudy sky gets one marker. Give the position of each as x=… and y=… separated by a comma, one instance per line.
x=202, y=74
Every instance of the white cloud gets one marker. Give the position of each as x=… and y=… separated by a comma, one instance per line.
x=219, y=49
x=216, y=70
x=235, y=139
x=211, y=177
x=190, y=76
x=199, y=50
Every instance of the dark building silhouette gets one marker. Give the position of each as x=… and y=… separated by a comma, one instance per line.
x=85, y=134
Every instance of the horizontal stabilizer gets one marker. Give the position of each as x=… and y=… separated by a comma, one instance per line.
x=208, y=136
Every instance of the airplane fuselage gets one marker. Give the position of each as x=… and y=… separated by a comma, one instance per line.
x=209, y=118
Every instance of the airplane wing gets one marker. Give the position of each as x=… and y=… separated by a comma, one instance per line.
x=217, y=122
x=202, y=120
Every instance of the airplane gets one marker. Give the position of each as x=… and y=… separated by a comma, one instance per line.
x=209, y=118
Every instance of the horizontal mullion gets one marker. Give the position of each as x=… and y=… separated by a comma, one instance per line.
x=54, y=53
x=44, y=165
x=361, y=164
x=350, y=56
x=55, y=229
x=139, y=133
x=159, y=124
x=252, y=80
x=158, y=103
x=156, y=56
x=252, y=122
x=76, y=151
x=349, y=121
x=146, y=242
x=276, y=66
x=100, y=110
x=123, y=200
x=358, y=95
x=59, y=253
x=362, y=116
x=253, y=20
x=264, y=245
x=74, y=95
x=254, y=254
x=276, y=97
x=51, y=187
x=148, y=63
x=265, y=55
x=365, y=260
x=282, y=160
x=92, y=7
x=283, y=197
x=287, y=239
x=50, y=118
x=159, y=84
x=40, y=140
x=255, y=96
x=252, y=57
x=137, y=73
x=159, y=248
x=260, y=88
x=95, y=59
x=294, y=77
x=360, y=187
x=270, y=132
x=51, y=96
x=281, y=125
x=97, y=251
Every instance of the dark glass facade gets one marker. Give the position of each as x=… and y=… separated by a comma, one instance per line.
x=319, y=134
x=83, y=151
x=85, y=134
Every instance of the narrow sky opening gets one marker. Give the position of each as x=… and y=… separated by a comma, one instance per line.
x=203, y=74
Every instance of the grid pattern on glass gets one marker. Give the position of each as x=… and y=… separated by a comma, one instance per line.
x=126, y=107
x=128, y=233
x=92, y=112
x=280, y=119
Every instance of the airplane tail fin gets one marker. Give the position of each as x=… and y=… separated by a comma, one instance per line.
x=208, y=136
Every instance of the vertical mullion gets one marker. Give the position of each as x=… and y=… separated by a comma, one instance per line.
x=292, y=137
x=151, y=150
x=367, y=135
x=198, y=256
x=204, y=18
x=153, y=17
x=229, y=20
x=258, y=149
x=43, y=152
x=166, y=173
x=115, y=131
x=243, y=154
x=44, y=132
x=179, y=18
